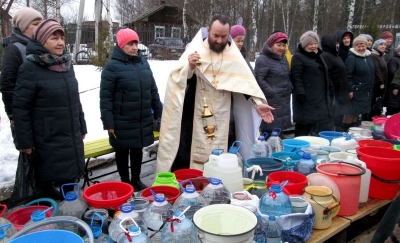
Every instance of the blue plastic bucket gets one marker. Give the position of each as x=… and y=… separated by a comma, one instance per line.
x=49, y=236
x=268, y=165
x=284, y=155
x=330, y=135
x=294, y=145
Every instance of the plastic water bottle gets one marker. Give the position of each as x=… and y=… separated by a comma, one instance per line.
x=6, y=225
x=132, y=234
x=305, y=165
x=259, y=233
x=179, y=229
x=38, y=216
x=216, y=193
x=156, y=214
x=235, y=150
x=87, y=217
x=260, y=148
x=126, y=211
x=6, y=232
x=99, y=236
x=73, y=205
x=273, y=231
x=275, y=202
x=189, y=198
x=275, y=142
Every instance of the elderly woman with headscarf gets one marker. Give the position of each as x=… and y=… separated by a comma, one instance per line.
x=309, y=76
x=360, y=72
x=49, y=121
x=272, y=75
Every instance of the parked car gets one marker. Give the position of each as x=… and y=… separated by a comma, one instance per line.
x=144, y=49
x=166, y=48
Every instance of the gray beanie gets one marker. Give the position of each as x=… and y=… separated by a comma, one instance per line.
x=24, y=17
x=368, y=37
x=307, y=37
x=377, y=43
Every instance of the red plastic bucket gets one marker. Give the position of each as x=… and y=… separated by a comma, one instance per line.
x=108, y=195
x=184, y=174
x=171, y=193
x=296, y=181
x=384, y=164
x=21, y=216
x=374, y=143
x=347, y=177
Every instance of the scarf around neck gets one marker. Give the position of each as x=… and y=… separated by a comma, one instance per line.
x=54, y=63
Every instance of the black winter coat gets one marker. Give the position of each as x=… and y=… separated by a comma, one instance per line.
x=344, y=50
x=48, y=117
x=128, y=93
x=12, y=60
x=273, y=77
x=309, y=77
x=381, y=72
x=393, y=66
x=360, y=77
x=336, y=74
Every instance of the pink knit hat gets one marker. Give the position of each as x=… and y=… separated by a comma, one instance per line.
x=45, y=29
x=124, y=36
x=237, y=30
x=24, y=17
x=386, y=34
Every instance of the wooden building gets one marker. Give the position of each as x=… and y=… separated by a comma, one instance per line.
x=163, y=20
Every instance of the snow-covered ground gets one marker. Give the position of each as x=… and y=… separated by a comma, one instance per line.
x=89, y=81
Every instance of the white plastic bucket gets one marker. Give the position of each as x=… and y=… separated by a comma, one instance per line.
x=225, y=223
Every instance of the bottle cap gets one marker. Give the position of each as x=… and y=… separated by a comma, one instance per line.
x=179, y=215
x=215, y=181
x=271, y=217
x=276, y=188
x=134, y=230
x=127, y=207
x=159, y=197
x=3, y=229
x=261, y=138
x=190, y=188
x=71, y=196
x=38, y=215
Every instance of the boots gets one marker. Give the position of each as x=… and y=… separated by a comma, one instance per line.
x=137, y=183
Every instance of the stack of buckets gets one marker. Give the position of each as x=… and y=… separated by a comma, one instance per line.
x=384, y=164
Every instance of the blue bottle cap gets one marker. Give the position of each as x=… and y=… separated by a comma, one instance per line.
x=38, y=215
x=276, y=188
x=71, y=196
x=190, y=188
x=134, y=230
x=126, y=207
x=215, y=181
x=306, y=155
x=3, y=229
x=271, y=217
x=261, y=138
x=159, y=197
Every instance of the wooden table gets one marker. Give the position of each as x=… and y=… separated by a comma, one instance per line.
x=367, y=208
x=338, y=224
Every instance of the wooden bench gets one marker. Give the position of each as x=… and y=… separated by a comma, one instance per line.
x=96, y=148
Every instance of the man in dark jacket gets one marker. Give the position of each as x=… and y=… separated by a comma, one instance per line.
x=24, y=21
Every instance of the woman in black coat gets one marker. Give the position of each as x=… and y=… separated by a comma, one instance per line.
x=49, y=120
x=128, y=94
x=381, y=74
x=360, y=77
x=309, y=77
x=337, y=77
x=273, y=77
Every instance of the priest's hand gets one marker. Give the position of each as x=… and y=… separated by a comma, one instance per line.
x=193, y=59
x=265, y=111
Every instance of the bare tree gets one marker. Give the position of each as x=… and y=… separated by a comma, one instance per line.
x=316, y=12
x=352, y=4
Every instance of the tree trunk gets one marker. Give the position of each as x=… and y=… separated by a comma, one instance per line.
x=58, y=14
x=79, y=29
x=273, y=14
x=316, y=12
x=362, y=22
x=110, y=24
x=98, y=7
x=185, y=30
x=352, y=4
x=45, y=9
x=253, y=28
x=211, y=10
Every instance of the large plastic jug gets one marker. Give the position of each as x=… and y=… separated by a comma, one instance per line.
x=166, y=179
x=38, y=216
x=306, y=165
x=235, y=150
x=216, y=192
x=179, y=229
x=275, y=202
x=260, y=148
x=73, y=205
x=275, y=142
x=156, y=214
x=88, y=218
x=273, y=231
x=210, y=167
x=8, y=227
x=126, y=211
x=99, y=236
x=345, y=143
x=4, y=231
x=132, y=234
x=190, y=197
x=226, y=169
